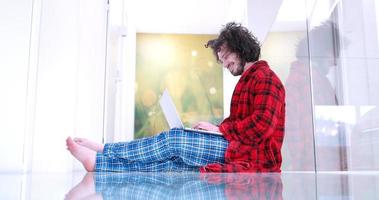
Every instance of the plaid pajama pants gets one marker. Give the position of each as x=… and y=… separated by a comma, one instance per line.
x=174, y=150
x=156, y=186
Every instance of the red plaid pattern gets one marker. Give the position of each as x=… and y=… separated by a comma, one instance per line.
x=255, y=127
x=299, y=123
x=258, y=186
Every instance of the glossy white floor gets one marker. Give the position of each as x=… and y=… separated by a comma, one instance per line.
x=287, y=185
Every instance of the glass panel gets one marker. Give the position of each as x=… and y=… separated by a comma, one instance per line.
x=181, y=63
x=344, y=61
x=286, y=49
x=329, y=118
x=361, y=67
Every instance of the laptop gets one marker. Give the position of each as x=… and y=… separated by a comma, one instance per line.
x=172, y=116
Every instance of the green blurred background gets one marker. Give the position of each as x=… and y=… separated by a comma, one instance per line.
x=180, y=63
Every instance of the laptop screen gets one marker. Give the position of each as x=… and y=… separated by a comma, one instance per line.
x=169, y=111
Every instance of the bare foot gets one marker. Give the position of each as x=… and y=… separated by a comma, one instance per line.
x=90, y=144
x=86, y=156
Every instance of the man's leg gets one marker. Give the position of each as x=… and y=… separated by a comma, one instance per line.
x=174, y=150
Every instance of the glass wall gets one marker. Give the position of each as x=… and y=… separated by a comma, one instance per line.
x=328, y=60
x=343, y=45
x=286, y=49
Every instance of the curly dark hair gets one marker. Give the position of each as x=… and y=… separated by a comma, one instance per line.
x=239, y=40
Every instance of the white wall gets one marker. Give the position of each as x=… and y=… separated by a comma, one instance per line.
x=15, y=18
x=52, y=80
x=70, y=92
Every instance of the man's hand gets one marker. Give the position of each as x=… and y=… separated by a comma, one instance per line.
x=206, y=126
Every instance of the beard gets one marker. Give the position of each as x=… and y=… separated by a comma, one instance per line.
x=238, y=71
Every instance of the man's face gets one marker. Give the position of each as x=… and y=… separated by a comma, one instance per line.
x=230, y=61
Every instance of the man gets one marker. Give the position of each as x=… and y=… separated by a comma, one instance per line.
x=250, y=138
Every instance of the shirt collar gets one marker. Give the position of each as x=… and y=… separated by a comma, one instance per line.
x=252, y=68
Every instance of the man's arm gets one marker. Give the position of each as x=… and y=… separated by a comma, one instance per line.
x=267, y=102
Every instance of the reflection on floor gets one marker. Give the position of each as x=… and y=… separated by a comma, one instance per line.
x=151, y=186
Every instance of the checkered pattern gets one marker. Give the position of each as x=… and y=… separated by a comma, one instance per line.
x=299, y=123
x=255, y=126
x=136, y=185
x=174, y=150
x=241, y=186
x=151, y=186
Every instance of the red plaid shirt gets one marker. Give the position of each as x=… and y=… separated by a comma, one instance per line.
x=255, y=127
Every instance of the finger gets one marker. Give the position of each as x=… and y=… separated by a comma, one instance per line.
x=196, y=126
x=202, y=123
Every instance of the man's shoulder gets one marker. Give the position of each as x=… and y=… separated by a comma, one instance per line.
x=262, y=71
x=264, y=74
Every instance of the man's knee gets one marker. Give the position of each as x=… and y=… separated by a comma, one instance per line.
x=172, y=136
x=175, y=135
x=172, y=140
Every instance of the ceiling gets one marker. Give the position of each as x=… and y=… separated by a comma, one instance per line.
x=181, y=16
x=208, y=16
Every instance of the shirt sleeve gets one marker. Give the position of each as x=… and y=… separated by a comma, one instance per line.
x=266, y=99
